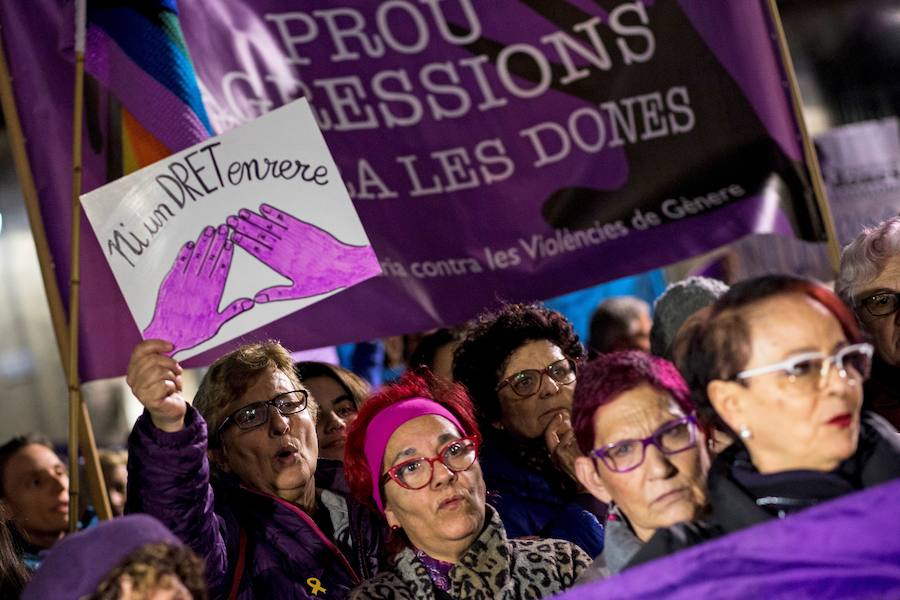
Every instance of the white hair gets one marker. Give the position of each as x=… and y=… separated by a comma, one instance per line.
x=864, y=258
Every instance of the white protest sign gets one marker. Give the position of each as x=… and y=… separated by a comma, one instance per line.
x=232, y=233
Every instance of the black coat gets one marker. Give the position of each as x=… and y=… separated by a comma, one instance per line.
x=881, y=392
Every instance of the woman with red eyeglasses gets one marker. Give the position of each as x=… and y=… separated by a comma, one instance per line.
x=412, y=455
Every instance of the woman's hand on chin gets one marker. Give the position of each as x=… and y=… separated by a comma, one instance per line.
x=560, y=439
x=155, y=380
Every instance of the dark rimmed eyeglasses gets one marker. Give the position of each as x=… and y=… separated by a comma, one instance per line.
x=257, y=413
x=880, y=304
x=671, y=438
x=416, y=473
x=528, y=381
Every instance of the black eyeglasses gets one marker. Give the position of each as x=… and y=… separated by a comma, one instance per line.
x=627, y=455
x=257, y=413
x=528, y=381
x=416, y=473
x=881, y=304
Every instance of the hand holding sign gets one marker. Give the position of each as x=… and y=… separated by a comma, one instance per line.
x=155, y=380
x=187, y=307
x=313, y=259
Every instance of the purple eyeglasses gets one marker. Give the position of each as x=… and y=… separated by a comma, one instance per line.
x=673, y=437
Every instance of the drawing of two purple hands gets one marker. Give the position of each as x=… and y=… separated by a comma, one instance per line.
x=187, y=306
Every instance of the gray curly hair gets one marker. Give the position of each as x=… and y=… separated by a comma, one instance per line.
x=864, y=258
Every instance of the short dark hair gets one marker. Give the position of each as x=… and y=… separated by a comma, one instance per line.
x=9, y=449
x=720, y=346
x=479, y=360
x=613, y=321
x=428, y=346
x=353, y=385
x=608, y=376
x=13, y=574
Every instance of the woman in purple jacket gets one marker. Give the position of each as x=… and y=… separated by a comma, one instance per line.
x=233, y=477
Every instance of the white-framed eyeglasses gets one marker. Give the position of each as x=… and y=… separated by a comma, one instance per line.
x=810, y=369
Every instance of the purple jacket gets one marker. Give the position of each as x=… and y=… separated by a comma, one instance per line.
x=286, y=554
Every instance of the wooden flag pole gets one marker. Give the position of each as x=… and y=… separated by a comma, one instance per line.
x=74, y=280
x=812, y=160
x=57, y=310
x=78, y=412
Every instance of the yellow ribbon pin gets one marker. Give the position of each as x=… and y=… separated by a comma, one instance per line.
x=315, y=586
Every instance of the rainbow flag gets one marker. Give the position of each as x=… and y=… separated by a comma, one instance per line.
x=137, y=51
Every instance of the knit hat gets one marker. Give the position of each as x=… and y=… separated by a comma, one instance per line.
x=673, y=307
x=78, y=563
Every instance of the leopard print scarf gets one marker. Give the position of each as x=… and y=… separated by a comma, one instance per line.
x=492, y=567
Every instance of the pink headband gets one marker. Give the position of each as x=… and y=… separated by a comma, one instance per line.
x=383, y=426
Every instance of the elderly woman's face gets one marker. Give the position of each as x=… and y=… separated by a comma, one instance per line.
x=793, y=425
x=444, y=517
x=279, y=456
x=529, y=416
x=885, y=330
x=664, y=489
x=336, y=411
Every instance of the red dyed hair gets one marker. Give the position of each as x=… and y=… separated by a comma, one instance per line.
x=420, y=384
x=608, y=376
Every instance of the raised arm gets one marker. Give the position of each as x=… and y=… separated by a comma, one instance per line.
x=168, y=467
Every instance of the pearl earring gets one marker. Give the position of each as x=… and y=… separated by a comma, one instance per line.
x=745, y=432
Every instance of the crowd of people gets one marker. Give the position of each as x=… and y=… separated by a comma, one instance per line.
x=509, y=461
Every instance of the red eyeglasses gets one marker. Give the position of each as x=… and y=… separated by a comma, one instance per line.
x=416, y=473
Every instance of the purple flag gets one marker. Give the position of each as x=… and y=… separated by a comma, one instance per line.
x=846, y=548
x=504, y=150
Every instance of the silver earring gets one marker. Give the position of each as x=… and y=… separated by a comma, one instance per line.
x=745, y=432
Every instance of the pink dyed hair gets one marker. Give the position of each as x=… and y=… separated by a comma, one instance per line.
x=605, y=378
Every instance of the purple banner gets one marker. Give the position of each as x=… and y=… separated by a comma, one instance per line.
x=503, y=150
x=842, y=549
x=861, y=167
